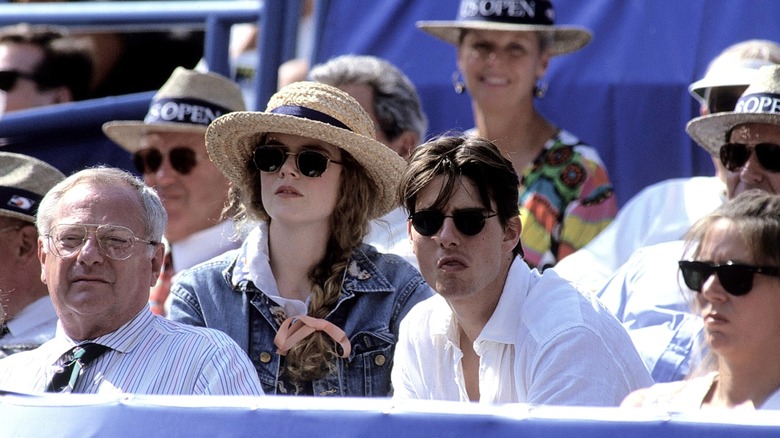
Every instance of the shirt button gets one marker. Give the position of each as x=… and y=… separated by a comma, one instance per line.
x=379, y=360
x=265, y=357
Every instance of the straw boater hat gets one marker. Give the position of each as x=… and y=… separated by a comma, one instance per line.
x=24, y=181
x=523, y=16
x=730, y=71
x=187, y=102
x=313, y=110
x=760, y=103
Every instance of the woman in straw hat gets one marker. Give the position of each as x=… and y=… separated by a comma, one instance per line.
x=734, y=273
x=316, y=310
x=502, y=52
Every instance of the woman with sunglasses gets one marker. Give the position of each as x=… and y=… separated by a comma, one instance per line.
x=734, y=273
x=503, y=53
x=316, y=310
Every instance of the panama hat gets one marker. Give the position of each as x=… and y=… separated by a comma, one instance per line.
x=187, y=102
x=522, y=16
x=727, y=72
x=313, y=110
x=24, y=181
x=760, y=103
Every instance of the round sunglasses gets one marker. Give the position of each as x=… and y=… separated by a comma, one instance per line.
x=735, y=278
x=469, y=221
x=310, y=163
x=735, y=155
x=149, y=160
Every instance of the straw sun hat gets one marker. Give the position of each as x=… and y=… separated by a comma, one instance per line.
x=760, y=103
x=24, y=181
x=522, y=16
x=187, y=102
x=312, y=110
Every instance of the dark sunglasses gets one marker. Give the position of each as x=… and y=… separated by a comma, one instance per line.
x=735, y=155
x=736, y=279
x=469, y=221
x=310, y=163
x=182, y=159
x=8, y=78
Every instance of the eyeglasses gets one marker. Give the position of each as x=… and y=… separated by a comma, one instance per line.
x=310, y=163
x=469, y=221
x=735, y=155
x=736, y=279
x=182, y=159
x=8, y=78
x=115, y=241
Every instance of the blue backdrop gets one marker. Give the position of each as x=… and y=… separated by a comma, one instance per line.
x=625, y=93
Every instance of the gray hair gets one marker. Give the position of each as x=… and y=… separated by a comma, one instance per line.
x=396, y=103
x=153, y=215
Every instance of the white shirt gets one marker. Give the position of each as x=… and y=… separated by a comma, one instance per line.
x=33, y=326
x=649, y=297
x=388, y=235
x=148, y=355
x=203, y=245
x=659, y=213
x=545, y=344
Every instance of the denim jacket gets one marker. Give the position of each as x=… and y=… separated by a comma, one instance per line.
x=377, y=292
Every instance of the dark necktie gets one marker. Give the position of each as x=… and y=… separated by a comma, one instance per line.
x=4, y=330
x=78, y=357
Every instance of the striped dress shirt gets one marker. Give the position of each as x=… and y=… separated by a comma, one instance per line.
x=148, y=355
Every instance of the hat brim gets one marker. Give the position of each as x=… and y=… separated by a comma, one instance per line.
x=228, y=142
x=710, y=131
x=565, y=39
x=128, y=133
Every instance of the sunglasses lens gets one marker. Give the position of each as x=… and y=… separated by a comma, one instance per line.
x=147, y=160
x=268, y=159
x=182, y=159
x=469, y=222
x=734, y=155
x=312, y=163
x=694, y=274
x=737, y=280
x=427, y=222
x=7, y=80
x=769, y=156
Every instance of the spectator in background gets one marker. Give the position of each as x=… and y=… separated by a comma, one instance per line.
x=664, y=211
x=392, y=103
x=30, y=317
x=497, y=331
x=732, y=267
x=41, y=65
x=566, y=197
x=100, y=251
x=315, y=308
x=169, y=150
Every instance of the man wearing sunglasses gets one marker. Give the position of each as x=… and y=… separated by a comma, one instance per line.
x=169, y=151
x=40, y=66
x=497, y=331
x=647, y=293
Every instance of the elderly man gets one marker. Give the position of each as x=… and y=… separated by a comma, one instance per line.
x=100, y=251
x=169, y=150
x=30, y=319
x=392, y=103
x=646, y=292
x=497, y=331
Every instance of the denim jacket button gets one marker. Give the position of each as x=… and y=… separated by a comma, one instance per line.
x=379, y=360
x=265, y=357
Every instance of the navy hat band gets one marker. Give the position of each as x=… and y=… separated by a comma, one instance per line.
x=758, y=103
x=308, y=113
x=534, y=12
x=19, y=200
x=192, y=111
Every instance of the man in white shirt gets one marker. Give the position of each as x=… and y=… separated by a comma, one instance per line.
x=392, y=103
x=496, y=332
x=30, y=317
x=169, y=151
x=100, y=251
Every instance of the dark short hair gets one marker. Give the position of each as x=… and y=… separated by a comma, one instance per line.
x=67, y=61
x=454, y=157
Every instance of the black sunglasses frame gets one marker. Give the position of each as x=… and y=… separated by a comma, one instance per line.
x=8, y=78
x=733, y=156
x=182, y=158
x=468, y=221
x=736, y=279
x=310, y=163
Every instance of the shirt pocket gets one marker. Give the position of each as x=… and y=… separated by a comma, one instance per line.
x=367, y=372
